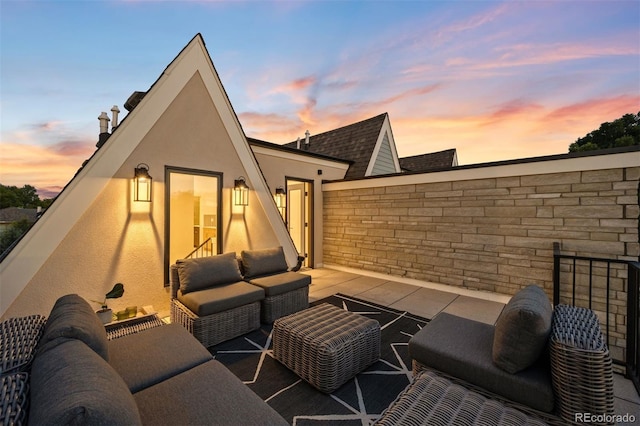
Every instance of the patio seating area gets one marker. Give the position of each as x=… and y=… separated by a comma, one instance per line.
x=429, y=300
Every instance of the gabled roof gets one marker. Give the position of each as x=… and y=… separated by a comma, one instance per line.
x=20, y=264
x=359, y=143
x=433, y=161
x=284, y=148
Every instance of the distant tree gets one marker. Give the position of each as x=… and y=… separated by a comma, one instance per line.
x=625, y=131
x=25, y=197
x=13, y=233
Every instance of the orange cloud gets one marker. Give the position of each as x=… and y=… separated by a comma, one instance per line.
x=45, y=167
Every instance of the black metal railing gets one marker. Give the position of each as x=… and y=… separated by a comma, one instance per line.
x=203, y=250
x=605, y=291
x=633, y=325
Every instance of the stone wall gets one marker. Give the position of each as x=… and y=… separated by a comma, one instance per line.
x=490, y=233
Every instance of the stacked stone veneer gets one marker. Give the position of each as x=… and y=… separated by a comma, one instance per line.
x=493, y=234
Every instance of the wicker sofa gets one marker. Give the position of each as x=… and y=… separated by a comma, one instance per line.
x=550, y=364
x=221, y=297
x=65, y=371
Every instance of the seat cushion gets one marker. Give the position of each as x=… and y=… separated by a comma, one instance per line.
x=221, y=298
x=283, y=282
x=151, y=356
x=522, y=330
x=73, y=318
x=462, y=348
x=263, y=262
x=71, y=384
x=208, y=394
x=204, y=272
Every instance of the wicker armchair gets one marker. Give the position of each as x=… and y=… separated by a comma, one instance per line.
x=580, y=368
x=232, y=306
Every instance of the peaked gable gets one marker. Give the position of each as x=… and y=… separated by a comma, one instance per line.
x=358, y=142
x=109, y=167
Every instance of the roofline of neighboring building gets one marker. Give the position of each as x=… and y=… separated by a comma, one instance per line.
x=427, y=153
x=271, y=145
x=554, y=157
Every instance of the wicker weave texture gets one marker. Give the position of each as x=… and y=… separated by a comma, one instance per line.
x=581, y=366
x=213, y=329
x=18, y=340
x=326, y=346
x=548, y=418
x=116, y=331
x=434, y=400
x=274, y=307
x=14, y=402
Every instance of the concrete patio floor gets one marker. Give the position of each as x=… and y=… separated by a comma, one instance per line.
x=428, y=299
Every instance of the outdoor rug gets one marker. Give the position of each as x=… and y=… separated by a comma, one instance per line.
x=360, y=401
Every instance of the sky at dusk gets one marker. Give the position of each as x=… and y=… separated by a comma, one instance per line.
x=495, y=80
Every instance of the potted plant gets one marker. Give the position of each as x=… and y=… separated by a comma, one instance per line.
x=105, y=313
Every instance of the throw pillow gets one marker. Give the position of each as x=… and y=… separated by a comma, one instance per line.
x=73, y=318
x=263, y=262
x=205, y=272
x=72, y=385
x=522, y=330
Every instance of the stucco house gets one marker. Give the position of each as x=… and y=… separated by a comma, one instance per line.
x=184, y=133
x=351, y=202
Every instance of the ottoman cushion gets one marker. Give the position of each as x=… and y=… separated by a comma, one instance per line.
x=325, y=345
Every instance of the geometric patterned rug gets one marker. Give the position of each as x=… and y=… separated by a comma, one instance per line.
x=360, y=401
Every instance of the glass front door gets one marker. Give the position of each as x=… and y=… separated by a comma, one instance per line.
x=193, y=214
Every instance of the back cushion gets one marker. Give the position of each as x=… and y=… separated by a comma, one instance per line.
x=71, y=384
x=263, y=262
x=522, y=330
x=205, y=272
x=73, y=318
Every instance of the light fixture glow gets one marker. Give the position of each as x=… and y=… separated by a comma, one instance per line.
x=240, y=192
x=142, y=183
x=281, y=200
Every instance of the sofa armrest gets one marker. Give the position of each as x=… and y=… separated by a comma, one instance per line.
x=581, y=366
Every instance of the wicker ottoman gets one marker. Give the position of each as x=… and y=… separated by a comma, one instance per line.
x=325, y=345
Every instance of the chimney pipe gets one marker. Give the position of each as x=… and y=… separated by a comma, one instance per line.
x=306, y=139
x=298, y=143
x=104, y=129
x=104, y=122
x=114, y=113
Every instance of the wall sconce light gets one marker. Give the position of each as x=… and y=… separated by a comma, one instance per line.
x=142, y=183
x=281, y=199
x=240, y=192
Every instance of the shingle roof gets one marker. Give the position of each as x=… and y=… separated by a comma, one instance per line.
x=354, y=142
x=432, y=161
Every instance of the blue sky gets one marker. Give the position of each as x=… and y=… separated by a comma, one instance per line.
x=495, y=80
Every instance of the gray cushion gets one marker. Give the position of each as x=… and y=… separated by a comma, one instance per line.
x=522, y=330
x=281, y=283
x=209, y=394
x=205, y=272
x=263, y=262
x=178, y=351
x=461, y=348
x=71, y=384
x=221, y=298
x=73, y=318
